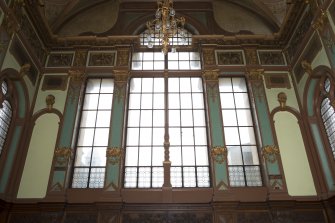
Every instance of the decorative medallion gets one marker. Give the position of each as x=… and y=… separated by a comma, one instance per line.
x=114, y=155
x=270, y=153
x=219, y=154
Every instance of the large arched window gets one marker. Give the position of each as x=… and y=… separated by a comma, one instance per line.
x=5, y=114
x=328, y=114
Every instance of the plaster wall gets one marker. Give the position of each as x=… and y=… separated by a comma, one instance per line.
x=293, y=155
x=38, y=162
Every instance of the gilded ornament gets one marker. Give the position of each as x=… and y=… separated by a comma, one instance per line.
x=320, y=21
x=209, y=58
x=255, y=74
x=211, y=75
x=282, y=97
x=76, y=75
x=25, y=69
x=114, y=155
x=270, y=153
x=50, y=101
x=219, y=154
x=62, y=155
x=121, y=75
x=251, y=56
x=123, y=57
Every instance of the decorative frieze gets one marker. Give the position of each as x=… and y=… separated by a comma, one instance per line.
x=274, y=58
x=225, y=57
x=102, y=59
x=60, y=60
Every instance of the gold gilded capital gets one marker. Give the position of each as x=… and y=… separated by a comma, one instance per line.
x=219, y=154
x=121, y=75
x=255, y=74
x=77, y=75
x=211, y=75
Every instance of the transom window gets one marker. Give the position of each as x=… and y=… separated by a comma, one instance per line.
x=182, y=37
x=328, y=116
x=90, y=159
x=145, y=133
x=5, y=115
x=243, y=161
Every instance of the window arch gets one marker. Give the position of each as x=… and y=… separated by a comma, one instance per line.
x=327, y=111
x=5, y=114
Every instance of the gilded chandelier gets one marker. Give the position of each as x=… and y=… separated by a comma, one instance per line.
x=165, y=26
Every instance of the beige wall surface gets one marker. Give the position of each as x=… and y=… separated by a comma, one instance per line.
x=36, y=171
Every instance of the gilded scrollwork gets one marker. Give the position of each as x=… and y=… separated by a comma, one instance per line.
x=211, y=75
x=270, y=153
x=219, y=154
x=209, y=56
x=255, y=74
x=319, y=23
x=114, y=155
x=123, y=57
x=62, y=155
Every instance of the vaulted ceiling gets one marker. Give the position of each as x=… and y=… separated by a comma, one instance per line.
x=59, y=14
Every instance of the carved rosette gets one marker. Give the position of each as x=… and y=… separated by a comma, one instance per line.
x=219, y=154
x=50, y=101
x=114, y=155
x=270, y=153
x=282, y=99
x=62, y=155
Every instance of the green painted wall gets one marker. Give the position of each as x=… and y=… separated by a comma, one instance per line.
x=293, y=154
x=37, y=166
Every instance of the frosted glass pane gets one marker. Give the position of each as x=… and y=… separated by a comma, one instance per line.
x=85, y=137
x=101, y=137
x=158, y=101
x=158, y=136
x=239, y=85
x=173, y=65
x=247, y=136
x=186, y=118
x=158, y=118
x=158, y=65
x=184, y=65
x=157, y=156
x=145, y=136
x=148, y=65
x=225, y=85
x=107, y=86
x=199, y=118
x=186, y=101
x=135, y=85
x=196, y=84
x=241, y=100
x=244, y=118
x=201, y=156
x=144, y=156
x=103, y=119
x=83, y=156
x=105, y=101
x=173, y=84
x=91, y=101
x=146, y=102
x=250, y=156
x=229, y=118
x=184, y=55
x=227, y=100
x=148, y=56
x=147, y=84
x=159, y=85
x=144, y=177
x=231, y=136
x=133, y=118
x=200, y=136
x=188, y=156
x=234, y=155
x=131, y=156
x=175, y=156
x=174, y=117
x=146, y=118
x=185, y=85
x=198, y=101
x=189, y=177
x=159, y=56
x=175, y=138
x=88, y=119
x=173, y=56
x=99, y=156
x=174, y=101
x=134, y=101
x=187, y=136
x=93, y=86
x=132, y=136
